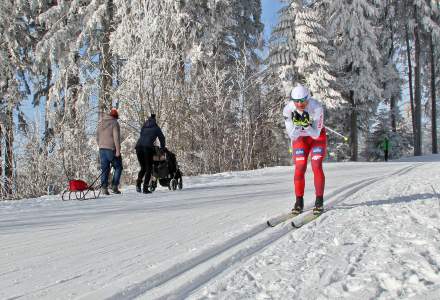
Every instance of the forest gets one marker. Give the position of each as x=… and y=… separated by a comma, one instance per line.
x=215, y=83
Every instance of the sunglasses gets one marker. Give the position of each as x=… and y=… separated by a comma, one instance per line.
x=302, y=100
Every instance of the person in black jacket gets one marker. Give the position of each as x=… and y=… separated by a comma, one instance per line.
x=145, y=150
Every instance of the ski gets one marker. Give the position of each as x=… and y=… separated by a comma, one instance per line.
x=307, y=219
x=280, y=219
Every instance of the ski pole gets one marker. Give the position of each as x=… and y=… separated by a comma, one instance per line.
x=337, y=133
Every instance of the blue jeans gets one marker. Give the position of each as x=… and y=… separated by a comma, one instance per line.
x=108, y=160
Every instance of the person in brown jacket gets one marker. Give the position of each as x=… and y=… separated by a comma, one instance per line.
x=109, y=143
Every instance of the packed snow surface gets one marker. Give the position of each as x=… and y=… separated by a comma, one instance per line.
x=378, y=239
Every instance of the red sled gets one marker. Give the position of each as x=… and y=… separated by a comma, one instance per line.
x=78, y=189
x=77, y=185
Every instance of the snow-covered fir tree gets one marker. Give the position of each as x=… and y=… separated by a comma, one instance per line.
x=14, y=51
x=352, y=25
x=282, y=44
x=312, y=49
x=299, y=49
x=416, y=23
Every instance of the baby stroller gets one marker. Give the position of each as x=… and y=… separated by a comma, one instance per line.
x=165, y=170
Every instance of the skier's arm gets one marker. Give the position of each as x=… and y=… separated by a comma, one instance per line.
x=292, y=131
x=314, y=130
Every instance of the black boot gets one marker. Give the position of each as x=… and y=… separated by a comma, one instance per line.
x=299, y=205
x=319, y=205
x=145, y=190
x=138, y=186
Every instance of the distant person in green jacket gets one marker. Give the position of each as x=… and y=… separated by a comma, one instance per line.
x=385, y=147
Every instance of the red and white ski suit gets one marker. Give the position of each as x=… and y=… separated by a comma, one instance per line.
x=305, y=140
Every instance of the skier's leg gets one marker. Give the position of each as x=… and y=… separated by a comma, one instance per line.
x=300, y=153
x=318, y=151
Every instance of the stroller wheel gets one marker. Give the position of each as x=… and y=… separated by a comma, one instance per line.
x=173, y=184
x=180, y=184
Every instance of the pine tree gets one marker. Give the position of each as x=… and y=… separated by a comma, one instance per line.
x=388, y=66
x=282, y=46
x=106, y=58
x=433, y=37
x=13, y=55
x=312, y=49
x=299, y=48
x=354, y=37
x=418, y=22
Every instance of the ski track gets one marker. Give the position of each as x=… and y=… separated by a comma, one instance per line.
x=411, y=267
x=209, y=264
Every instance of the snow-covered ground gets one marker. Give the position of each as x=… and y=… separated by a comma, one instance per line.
x=379, y=239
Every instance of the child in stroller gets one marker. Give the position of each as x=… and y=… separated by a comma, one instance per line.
x=165, y=170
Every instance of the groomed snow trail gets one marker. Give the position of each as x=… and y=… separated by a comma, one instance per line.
x=193, y=243
x=187, y=276
x=382, y=242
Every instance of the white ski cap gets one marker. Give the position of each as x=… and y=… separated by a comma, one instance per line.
x=299, y=92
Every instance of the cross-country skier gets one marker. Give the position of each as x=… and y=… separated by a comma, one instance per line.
x=304, y=120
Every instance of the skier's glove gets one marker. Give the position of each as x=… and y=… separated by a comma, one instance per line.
x=294, y=134
x=301, y=120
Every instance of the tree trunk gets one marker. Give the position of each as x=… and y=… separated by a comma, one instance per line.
x=48, y=132
x=410, y=83
x=73, y=85
x=393, y=110
x=417, y=89
x=433, y=100
x=353, y=129
x=105, y=101
x=393, y=100
x=9, y=143
x=181, y=72
x=1, y=161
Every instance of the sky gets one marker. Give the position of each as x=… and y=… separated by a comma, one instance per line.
x=377, y=239
x=269, y=17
